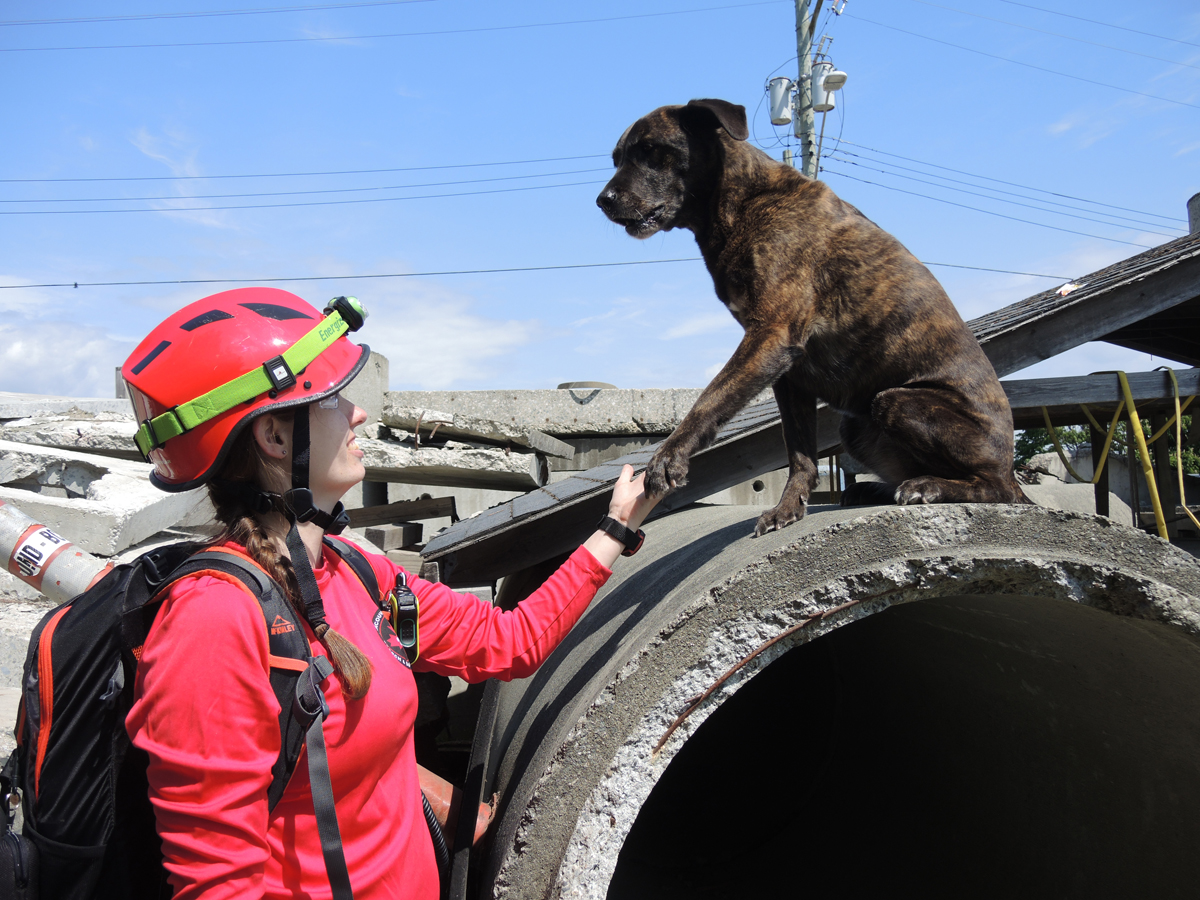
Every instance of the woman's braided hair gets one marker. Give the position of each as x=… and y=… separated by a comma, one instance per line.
x=245, y=465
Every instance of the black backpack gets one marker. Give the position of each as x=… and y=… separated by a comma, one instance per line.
x=83, y=786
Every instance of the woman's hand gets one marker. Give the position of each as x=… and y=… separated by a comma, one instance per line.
x=629, y=506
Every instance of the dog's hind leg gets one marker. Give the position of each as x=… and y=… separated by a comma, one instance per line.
x=863, y=439
x=798, y=412
x=945, y=450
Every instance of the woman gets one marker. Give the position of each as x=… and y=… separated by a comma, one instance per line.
x=240, y=392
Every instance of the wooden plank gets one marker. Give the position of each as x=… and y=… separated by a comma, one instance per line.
x=1098, y=389
x=402, y=511
x=1062, y=397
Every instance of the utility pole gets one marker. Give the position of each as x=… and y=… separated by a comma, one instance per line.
x=805, y=123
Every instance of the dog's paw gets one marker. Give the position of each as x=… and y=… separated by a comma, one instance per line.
x=666, y=470
x=925, y=489
x=781, y=516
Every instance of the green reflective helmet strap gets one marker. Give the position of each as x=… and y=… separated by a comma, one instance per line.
x=187, y=416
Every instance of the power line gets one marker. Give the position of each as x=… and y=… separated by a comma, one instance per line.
x=1002, y=271
x=1011, y=183
x=514, y=162
x=77, y=284
x=402, y=34
x=176, y=209
x=988, y=211
x=1057, y=34
x=1054, y=12
x=640, y=262
x=219, y=12
x=391, y=187
x=1054, y=212
x=1017, y=62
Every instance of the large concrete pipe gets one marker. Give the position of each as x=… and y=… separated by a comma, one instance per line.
x=1005, y=701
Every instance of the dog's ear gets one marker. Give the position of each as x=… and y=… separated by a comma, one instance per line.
x=729, y=116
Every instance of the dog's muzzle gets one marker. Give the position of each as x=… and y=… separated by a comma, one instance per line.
x=608, y=202
x=635, y=222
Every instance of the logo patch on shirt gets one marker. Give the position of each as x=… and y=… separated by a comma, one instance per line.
x=281, y=626
x=387, y=634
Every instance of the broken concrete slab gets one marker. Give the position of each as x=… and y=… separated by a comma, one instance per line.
x=101, y=504
x=453, y=466
x=472, y=428
x=14, y=590
x=22, y=406
x=107, y=434
x=589, y=411
x=1032, y=625
x=367, y=390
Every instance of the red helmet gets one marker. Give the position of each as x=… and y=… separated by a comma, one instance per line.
x=205, y=372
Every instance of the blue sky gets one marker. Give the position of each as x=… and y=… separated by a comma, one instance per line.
x=496, y=120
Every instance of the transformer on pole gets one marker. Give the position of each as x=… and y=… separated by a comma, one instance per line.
x=812, y=92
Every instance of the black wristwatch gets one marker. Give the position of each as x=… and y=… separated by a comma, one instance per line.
x=631, y=539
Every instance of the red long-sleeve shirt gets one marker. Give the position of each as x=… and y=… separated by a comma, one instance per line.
x=205, y=713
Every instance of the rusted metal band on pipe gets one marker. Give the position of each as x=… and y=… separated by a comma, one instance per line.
x=44, y=559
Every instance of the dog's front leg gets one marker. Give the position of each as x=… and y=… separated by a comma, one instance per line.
x=798, y=414
x=761, y=357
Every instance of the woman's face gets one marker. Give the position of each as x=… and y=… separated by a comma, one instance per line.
x=335, y=461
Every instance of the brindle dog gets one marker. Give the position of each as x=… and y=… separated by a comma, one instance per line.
x=833, y=307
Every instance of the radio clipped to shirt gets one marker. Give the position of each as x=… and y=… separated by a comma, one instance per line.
x=403, y=609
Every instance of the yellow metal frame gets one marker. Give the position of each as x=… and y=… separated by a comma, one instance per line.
x=1143, y=445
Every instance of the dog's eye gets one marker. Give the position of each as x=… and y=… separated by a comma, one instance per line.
x=659, y=157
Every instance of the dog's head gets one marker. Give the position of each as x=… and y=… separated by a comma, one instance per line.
x=665, y=161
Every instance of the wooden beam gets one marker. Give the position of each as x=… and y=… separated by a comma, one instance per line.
x=1152, y=393
x=1098, y=389
x=403, y=511
x=1092, y=316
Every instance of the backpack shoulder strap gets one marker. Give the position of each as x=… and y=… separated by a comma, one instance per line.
x=357, y=561
x=289, y=648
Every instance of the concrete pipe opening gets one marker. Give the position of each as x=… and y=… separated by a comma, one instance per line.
x=989, y=746
x=991, y=700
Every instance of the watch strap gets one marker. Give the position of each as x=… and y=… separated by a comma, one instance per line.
x=631, y=539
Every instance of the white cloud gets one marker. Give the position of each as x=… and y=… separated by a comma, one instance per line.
x=169, y=150
x=57, y=357
x=707, y=323
x=178, y=153
x=975, y=294
x=41, y=301
x=1093, y=357
x=434, y=339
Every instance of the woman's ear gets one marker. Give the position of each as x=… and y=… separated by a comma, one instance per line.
x=273, y=440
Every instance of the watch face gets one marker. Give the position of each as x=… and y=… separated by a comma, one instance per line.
x=639, y=539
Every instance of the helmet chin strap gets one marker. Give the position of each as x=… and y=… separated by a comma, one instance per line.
x=301, y=508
